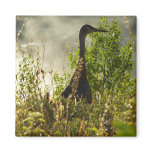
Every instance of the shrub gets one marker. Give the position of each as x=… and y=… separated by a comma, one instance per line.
x=108, y=66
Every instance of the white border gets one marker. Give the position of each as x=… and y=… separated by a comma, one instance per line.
x=8, y=11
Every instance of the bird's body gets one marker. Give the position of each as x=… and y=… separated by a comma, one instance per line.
x=79, y=87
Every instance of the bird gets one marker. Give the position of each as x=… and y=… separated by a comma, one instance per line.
x=78, y=87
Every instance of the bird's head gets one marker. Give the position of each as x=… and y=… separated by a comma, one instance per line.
x=87, y=29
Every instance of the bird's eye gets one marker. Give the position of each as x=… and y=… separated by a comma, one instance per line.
x=88, y=28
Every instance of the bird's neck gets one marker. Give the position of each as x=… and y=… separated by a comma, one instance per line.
x=82, y=44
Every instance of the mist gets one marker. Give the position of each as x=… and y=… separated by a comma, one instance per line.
x=58, y=31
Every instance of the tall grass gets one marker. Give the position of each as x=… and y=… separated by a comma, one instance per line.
x=113, y=110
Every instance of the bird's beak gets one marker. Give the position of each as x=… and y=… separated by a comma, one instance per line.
x=97, y=30
x=101, y=30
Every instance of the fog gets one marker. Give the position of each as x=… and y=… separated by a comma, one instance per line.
x=58, y=31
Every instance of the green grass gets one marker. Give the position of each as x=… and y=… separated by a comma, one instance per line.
x=113, y=111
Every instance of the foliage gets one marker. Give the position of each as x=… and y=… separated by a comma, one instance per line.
x=60, y=81
x=124, y=129
x=113, y=111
